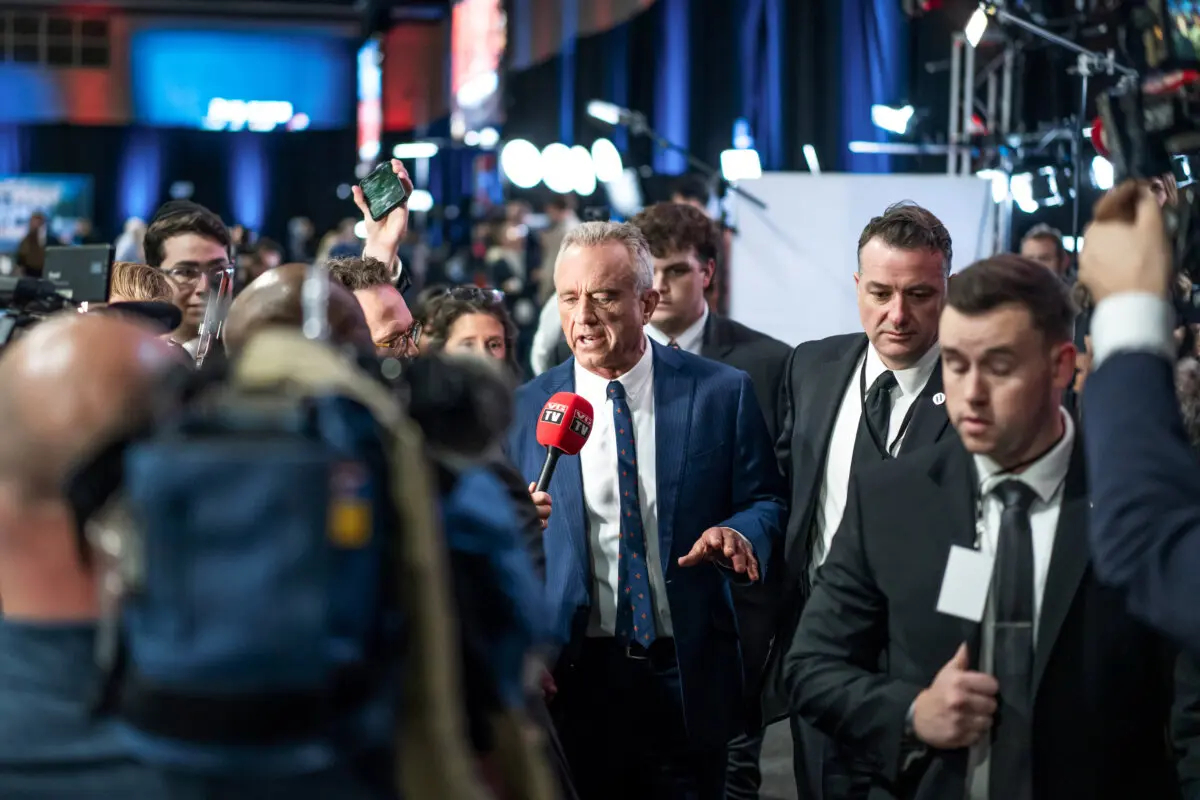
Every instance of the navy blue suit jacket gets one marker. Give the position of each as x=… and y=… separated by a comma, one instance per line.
x=715, y=468
x=1145, y=490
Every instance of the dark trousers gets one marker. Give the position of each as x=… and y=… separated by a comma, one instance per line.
x=823, y=772
x=620, y=718
x=743, y=778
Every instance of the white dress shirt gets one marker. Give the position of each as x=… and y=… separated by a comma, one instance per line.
x=1132, y=322
x=1046, y=477
x=831, y=503
x=690, y=340
x=598, y=462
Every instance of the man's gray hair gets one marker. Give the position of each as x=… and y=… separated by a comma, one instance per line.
x=596, y=234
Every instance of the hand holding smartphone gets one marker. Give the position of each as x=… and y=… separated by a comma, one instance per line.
x=383, y=191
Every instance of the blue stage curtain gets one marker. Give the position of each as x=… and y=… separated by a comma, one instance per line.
x=249, y=180
x=874, y=66
x=12, y=161
x=566, y=107
x=672, y=86
x=760, y=48
x=140, y=187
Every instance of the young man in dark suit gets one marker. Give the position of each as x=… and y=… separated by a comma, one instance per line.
x=957, y=640
x=677, y=472
x=848, y=402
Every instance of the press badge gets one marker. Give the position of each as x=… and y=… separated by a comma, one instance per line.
x=966, y=582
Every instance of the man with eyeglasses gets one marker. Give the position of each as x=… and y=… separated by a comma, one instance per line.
x=192, y=246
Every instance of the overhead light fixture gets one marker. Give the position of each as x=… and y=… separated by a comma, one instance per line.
x=999, y=179
x=1040, y=187
x=810, y=157
x=420, y=201
x=1102, y=173
x=489, y=138
x=558, y=168
x=892, y=118
x=604, y=111
x=415, y=150
x=521, y=163
x=607, y=161
x=977, y=25
x=740, y=165
x=583, y=171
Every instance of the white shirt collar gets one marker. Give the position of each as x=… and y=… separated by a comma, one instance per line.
x=1044, y=476
x=690, y=340
x=636, y=381
x=911, y=380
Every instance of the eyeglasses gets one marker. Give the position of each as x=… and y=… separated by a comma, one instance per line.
x=190, y=273
x=402, y=345
x=472, y=294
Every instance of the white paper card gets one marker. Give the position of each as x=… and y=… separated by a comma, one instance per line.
x=965, y=584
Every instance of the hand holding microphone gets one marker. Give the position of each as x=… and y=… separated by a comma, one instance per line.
x=563, y=428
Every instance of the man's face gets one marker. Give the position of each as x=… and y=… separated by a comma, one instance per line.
x=1003, y=379
x=388, y=318
x=1045, y=251
x=900, y=296
x=680, y=280
x=602, y=314
x=189, y=261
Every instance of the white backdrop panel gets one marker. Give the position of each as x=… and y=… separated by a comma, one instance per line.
x=793, y=264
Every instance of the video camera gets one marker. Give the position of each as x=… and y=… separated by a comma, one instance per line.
x=1150, y=124
x=74, y=277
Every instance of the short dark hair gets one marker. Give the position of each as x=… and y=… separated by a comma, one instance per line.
x=360, y=273
x=439, y=312
x=908, y=226
x=676, y=227
x=179, y=218
x=1187, y=388
x=691, y=187
x=1010, y=279
x=1044, y=231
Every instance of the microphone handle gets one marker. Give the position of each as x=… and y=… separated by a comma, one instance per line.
x=552, y=454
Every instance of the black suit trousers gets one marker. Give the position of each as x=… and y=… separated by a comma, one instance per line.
x=621, y=724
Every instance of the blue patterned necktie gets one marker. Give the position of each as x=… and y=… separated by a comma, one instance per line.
x=635, y=613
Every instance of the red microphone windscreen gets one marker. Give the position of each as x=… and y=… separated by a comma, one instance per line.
x=565, y=423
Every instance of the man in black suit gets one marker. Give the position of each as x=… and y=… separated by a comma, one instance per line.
x=849, y=401
x=1021, y=677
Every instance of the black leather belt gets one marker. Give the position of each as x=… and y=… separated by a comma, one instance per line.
x=660, y=653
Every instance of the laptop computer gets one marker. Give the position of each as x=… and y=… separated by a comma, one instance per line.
x=81, y=273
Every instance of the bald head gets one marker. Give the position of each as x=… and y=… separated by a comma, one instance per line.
x=68, y=386
x=275, y=299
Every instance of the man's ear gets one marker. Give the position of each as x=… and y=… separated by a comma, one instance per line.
x=707, y=270
x=649, y=302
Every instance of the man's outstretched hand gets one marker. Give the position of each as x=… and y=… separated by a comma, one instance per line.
x=1125, y=249
x=726, y=547
x=384, y=237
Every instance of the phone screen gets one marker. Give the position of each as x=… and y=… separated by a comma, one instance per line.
x=383, y=191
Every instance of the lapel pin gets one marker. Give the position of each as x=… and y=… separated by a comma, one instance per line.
x=939, y=398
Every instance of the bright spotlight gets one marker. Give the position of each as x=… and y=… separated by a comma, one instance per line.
x=489, y=138
x=583, y=171
x=607, y=161
x=420, y=200
x=415, y=150
x=1022, y=192
x=557, y=165
x=740, y=165
x=977, y=26
x=892, y=119
x=999, y=181
x=521, y=163
x=1102, y=173
x=810, y=157
x=605, y=112
x=360, y=229
x=471, y=138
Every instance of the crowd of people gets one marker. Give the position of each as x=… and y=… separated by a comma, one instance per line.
x=881, y=536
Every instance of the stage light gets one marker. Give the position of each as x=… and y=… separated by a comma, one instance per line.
x=521, y=163
x=1022, y=192
x=415, y=150
x=583, y=171
x=471, y=138
x=606, y=160
x=810, y=157
x=1102, y=173
x=360, y=229
x=489, y=138
x=343, y=191
x=740, y=165
x=999, y=181
x=1069, y=244
x=557, y=165
x=977, y=25
x=420, y=200
x=605, y=112
x=369, y=151
x=891, y=118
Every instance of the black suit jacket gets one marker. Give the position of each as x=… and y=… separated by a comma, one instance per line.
x=814, y=383
x=1102, y=681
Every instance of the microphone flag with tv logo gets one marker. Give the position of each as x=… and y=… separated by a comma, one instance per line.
x=563, y=427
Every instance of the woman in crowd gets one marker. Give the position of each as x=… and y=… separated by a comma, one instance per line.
x=139, y=283
x=467, y=319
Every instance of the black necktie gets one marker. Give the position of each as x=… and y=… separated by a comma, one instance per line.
x=1010, y=771
x=877, y=410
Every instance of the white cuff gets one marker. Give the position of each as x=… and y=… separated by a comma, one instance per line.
x=1133, y=321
